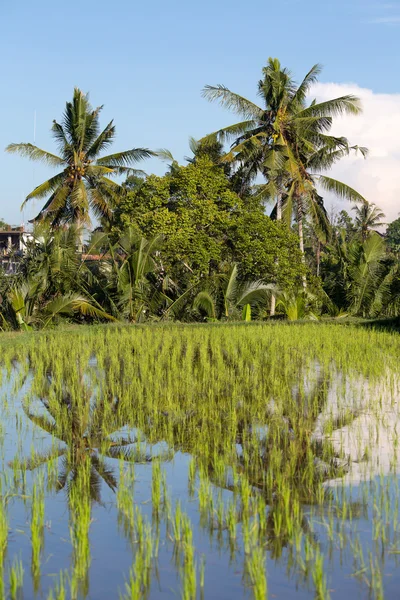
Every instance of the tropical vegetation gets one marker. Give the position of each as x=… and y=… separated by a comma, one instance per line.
x=197, y=243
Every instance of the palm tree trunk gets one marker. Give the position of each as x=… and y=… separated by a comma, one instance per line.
x=80, y=236
x=279, y=208
x=318, y=253
x=272, y=306
x=301, y=238
x=278, y=218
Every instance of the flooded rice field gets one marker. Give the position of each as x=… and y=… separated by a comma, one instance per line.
x=221, y=461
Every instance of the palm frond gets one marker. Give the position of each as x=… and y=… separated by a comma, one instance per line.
x=34, y=153
x=255, y=292
x=232, y=101
x=105, y=471
x=231, y=132
x=61, y=141
x=165, y=155
x=205, y=301
x=37, y=460
x=124, y=159
x=70, y=304
x=104, y=140
x=339, y=189
x=232, y=285
x=348, y=104
x=46, y=187
x=312, y=77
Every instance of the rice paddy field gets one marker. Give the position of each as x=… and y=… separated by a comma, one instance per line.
x=217, y=461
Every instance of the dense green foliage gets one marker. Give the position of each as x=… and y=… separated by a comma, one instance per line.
x=204, y=223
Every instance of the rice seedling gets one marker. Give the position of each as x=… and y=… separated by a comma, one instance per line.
x=255, y=564
x=156, y=488
x=37, y=529
x=60, y=589
x=3, y=544
x=138, y=585
x=202, y=574
x=319, y=578
x=16, y=579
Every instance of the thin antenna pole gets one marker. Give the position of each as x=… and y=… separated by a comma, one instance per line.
x=33, y=172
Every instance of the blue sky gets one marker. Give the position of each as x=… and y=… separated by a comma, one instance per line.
x=147, y=62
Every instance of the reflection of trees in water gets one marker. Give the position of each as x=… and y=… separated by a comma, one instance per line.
x=87, y=432
x=80, y=427
x=276, y=453
x=278, y=456
x=91, y=431
x=281, y=441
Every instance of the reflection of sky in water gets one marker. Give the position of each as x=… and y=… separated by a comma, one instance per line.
x=111, y=555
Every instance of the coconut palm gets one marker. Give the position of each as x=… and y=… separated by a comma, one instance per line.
x=368, y=217
x=286, y=140
x=84, y=182
x=267, y=137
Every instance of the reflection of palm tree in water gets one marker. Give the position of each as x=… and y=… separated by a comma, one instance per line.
x=88, y=431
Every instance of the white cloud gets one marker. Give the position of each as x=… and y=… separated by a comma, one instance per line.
x=386, y=20
x=377, y=178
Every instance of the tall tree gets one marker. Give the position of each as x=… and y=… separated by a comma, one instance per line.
x=269, y=136
x=286, y=140
x=84, y=183
x=204, y=224
x=368, y=217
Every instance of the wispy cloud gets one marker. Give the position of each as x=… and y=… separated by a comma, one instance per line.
x=383, y=13
x=386, y=20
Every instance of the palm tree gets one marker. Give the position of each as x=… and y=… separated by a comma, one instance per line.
x=225, y=294
x=267, y=137
x=358, y=275
x=286, y=139
x=294, y=304
x=84, y=182
x=27, y=307
x=369, y=276
x=368, y=218
x=134, y=280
